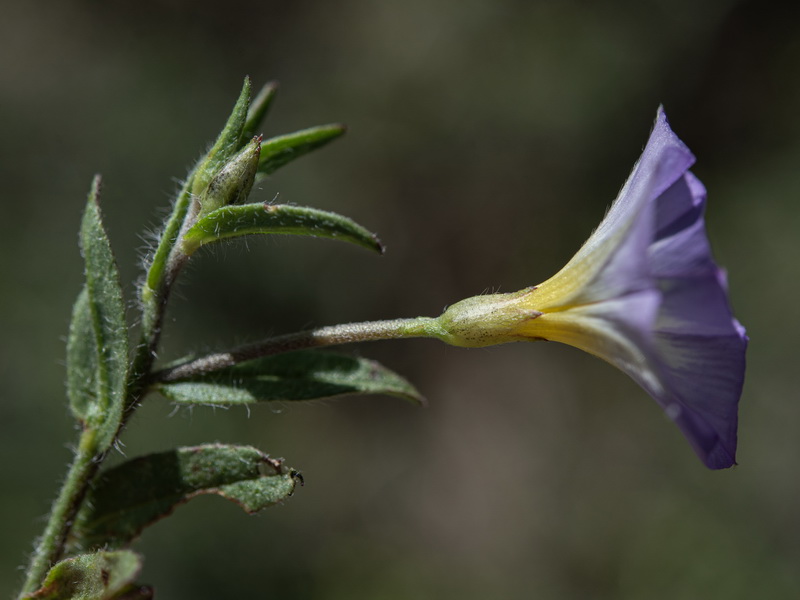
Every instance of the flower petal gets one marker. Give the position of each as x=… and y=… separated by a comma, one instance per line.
x=681, y=246
x=619, y=331
x=680, y=205
x=703, y=376
x=701, y=348
x=664, y=160
x=625, y=232
x=696, y=305
x=645, y=294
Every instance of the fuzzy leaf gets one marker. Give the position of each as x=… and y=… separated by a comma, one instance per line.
x=278, y=151
x=97, y=576
x=228, y=143
x=258, y=110
x=246, y=219
x=81, y=359
x=97, y=347
x=156, y=272
x=304, y=375
x=137, y=493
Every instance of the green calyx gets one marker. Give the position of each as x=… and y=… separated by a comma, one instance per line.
x=486, y=320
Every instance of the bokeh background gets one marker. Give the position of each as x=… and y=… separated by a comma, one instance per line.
x=486, y=139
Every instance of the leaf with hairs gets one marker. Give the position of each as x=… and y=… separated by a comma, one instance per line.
x=96, y=576
x=97, y=346
x=228, y=143
x=303, y=375
x=127, y=498
x=258, y=110
x=249, y=219
x=279, y=151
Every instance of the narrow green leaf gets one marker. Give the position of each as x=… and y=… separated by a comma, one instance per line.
x=247, y=219
x=81, y=359
x=137, y=493
x=278, y=151
x=258, y=110
x=157, y=271
x=97, y=348
x=303, y=375
x=228, y=143
x=97, y=576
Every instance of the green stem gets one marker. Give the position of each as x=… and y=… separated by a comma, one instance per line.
x=347, y=333
x=51, y=545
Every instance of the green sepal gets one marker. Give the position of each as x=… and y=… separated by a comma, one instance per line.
x=258, y=110
x=278, y=151
x=247, y=219
x=127, y=498
x=97, y=346
x=302, y=375
x=96, y=576
x=228, y=143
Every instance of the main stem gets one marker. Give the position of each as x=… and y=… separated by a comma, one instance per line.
x=313, y=338
x=51, y=544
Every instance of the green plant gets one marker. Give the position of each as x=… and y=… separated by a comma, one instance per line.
x=615, y=299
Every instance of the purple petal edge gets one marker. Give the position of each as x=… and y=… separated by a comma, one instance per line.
x=700, y=345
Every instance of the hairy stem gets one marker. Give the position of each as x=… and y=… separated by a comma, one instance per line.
x=313, y=338
x=50, y=546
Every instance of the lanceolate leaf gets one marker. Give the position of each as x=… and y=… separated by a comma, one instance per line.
x=228, y=143
x=82, y=359
x=156, y=273
x=278, y=151
x=97, y=348
x=246, y=219
x=258, y=110
x=304, y=375
x=97, y=576
x=128, y=498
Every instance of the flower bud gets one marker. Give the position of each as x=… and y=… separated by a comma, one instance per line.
x=234, y=181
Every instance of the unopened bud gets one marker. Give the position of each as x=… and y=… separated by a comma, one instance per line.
x=234, y=181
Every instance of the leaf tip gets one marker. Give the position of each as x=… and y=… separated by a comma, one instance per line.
x=297, y=477
x=94, y=190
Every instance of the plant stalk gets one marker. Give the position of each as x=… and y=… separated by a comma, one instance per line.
x=333, y=335
x=50, y=546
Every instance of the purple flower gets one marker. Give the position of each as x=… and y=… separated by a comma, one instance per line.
x=644, y=294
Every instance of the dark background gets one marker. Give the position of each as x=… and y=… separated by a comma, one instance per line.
x=486, y=140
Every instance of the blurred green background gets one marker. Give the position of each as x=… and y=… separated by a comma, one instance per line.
x=486, y=139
